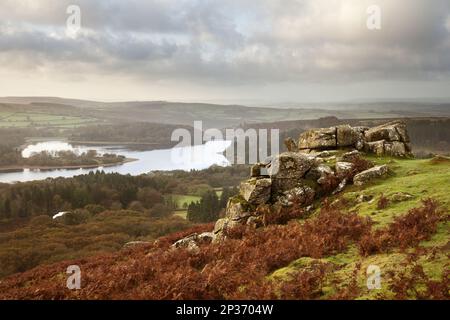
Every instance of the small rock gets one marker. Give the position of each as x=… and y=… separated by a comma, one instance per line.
x=376, y=172
x=135, y=243
x=351, y=156
x=401, y=196
x=340, y=187
x=364, y=198
x=343, y=168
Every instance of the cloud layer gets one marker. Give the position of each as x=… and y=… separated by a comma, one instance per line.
x=241, y=44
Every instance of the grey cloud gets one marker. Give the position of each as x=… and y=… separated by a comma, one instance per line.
x=228, y=42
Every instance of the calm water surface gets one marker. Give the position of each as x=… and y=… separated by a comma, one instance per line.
x=186, y=158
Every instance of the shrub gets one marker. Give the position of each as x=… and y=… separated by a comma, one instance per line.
x=406, y=231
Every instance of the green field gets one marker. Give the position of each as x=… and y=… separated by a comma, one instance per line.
x=181, y=199
x=38, y=119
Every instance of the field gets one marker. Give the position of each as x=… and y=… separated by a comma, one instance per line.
x=38, y=119
x=182, y=199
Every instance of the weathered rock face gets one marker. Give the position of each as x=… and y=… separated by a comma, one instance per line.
x=303, y=196
x=256, y=191
x=291, y=165
x=319, y=173
x=392, y=131
x=288, y=169
x=324, y=138
x=389, y=139
x=368, y=175
x=351, y=156
x=343, y=168
x=346, y=136
x=193, y=241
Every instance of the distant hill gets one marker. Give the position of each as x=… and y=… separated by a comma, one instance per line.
x=220, y=116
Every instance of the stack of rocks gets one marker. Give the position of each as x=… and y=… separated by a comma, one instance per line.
x=298, y=175
x=390, y=139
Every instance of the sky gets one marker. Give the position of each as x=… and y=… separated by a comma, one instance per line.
x=233, y=51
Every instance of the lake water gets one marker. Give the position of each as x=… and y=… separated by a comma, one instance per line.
x=186, y=158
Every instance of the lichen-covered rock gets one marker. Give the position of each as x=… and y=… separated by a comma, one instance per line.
x=401, y=196
x=303, y=196
x=291, y=145
x=396, y=149
x=376, y=147
x=256, y=191
x=193, y=241
x=258, y=170
x=346, y=136
x=236, y=209
x=392, y=131
x=376, y=172
x=340, y=187
x=324, y=138
x=319, y=173
x=343, y=168
x=291, y=165
x=351, y=156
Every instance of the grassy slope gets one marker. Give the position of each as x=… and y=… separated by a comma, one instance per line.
x=420, y=178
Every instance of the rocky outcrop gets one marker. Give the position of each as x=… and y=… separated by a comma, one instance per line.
x=299, y=177
x=318, y=139
x=364, y=177
x=389, y=139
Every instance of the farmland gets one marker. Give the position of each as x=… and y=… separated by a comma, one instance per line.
x=41, y=119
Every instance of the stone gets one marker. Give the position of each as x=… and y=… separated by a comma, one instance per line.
x=319, y=173
x=343, y=168
x=324, y=138
x=135, y=243
x=376, y=172
x=351, y=156
x=401, y=196
x=256, y=191
x=235, y=210
x=364, y=198
x=193, y=241
x=303, y=196
x=258, y=170
x=340, y=187
x=291, y=165
x=376, y=147
x=280, y=185
x=291, y=145
x=254, y=222
x=324, y=153
x=392, y=131
x=346, y=136
x=220, y=225
x=396, y=149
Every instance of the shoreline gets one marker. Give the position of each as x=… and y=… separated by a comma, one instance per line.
x=9, y=169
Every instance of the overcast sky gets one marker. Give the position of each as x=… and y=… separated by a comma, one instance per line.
x=239, y=51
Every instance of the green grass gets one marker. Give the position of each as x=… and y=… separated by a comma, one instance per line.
x=420, y=178
x=37, y=119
